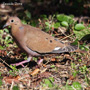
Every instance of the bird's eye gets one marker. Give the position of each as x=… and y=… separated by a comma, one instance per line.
x=12, y=20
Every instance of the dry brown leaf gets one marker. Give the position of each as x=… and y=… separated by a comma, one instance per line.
x=35, y=72
x=44, y=75
x=11, y=79
x=53, y=59
x=44, y=65
x=71, y=77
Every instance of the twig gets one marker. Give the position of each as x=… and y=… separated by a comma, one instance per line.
x=6, y=63
x=66, y=37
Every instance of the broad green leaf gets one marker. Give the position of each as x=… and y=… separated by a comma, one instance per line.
x=47, y=23
x=82, y=33
x=56, y=25
x=62, y=17
x=79, y=27
x=1, y=48
x=6, y=30
x=16, y=88
x=24, y=22
x=64, y=23
x=77, y=85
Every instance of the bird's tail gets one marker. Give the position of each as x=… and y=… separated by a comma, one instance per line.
x=68, y=48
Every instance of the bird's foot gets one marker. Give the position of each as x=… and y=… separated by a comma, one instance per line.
x=40, y=61
x=20, y=63
x=23, y=62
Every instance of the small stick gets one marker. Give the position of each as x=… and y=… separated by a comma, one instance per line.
x=66, y=37
x=5, y=63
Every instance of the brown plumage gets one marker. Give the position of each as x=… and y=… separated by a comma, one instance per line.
x=34, y=41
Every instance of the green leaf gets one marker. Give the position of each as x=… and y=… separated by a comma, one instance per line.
x=33, y=23
x=53, y=35
x=44, y=17
x=47, y=28
x=77, y=85
x=68, y=88
x=89, y=25
x=28, y=14
x=0, y=82
x=6, y=30
x=34, y=58
x=82, y=33
x=24, y=22
x=14, y=68
x=62, y=17
x=56, y=25
x=52, y=66
x=75, y=42
x=79, y=27
x=1, y=48
x=48, y=83
x=1, y=31
x=84, y=47
x=74, y=73
x=72, y=16
x=47, y=23
x=52, y=79
x=64, y=23
x=16, y=88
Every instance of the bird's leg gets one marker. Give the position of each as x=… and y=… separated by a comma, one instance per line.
x=40, y=61
x=21, y=63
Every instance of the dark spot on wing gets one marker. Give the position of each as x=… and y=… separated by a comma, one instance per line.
x=47, y=38
x=50, y=41
x=15, y=24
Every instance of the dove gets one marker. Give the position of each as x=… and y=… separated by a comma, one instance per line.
x=34, y=41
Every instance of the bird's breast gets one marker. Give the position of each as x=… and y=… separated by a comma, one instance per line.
x=17, y=34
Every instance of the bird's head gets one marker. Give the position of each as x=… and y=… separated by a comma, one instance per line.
x=13, y=21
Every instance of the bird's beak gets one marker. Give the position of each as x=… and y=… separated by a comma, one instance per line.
x=6, y=25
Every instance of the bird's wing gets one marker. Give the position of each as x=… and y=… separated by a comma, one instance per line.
x=42, y=42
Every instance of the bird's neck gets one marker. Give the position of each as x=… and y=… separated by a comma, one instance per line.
x=15, y=31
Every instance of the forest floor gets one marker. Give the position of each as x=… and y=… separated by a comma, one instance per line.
x=65, y=71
